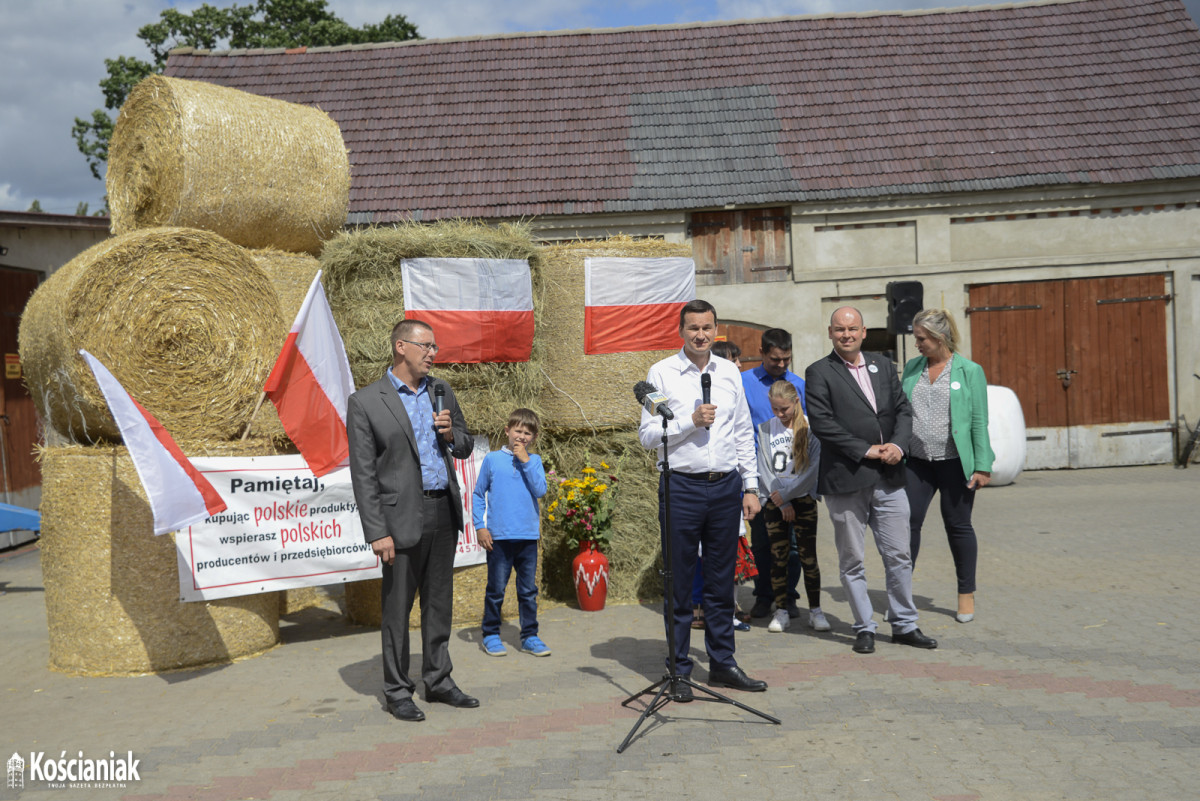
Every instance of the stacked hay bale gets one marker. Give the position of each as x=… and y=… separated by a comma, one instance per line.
x=591, y=415
x=366, y=292
x=112, y=587
x=190, y=327
x=260, y=172
x=185, y=320
x=190, y=321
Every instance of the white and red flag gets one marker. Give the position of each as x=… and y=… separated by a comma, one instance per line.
x=311, y=383
x=633, y=304
x=480, y=309
x=179, y=495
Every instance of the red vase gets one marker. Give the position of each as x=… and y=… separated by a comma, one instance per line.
x=590, y=571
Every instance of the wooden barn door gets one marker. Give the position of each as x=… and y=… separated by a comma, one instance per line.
x=746, y=337
x=1088, y=359
x=18, y=421
x=740, y=247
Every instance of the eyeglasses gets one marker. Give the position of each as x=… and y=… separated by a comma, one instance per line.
x=428, y=347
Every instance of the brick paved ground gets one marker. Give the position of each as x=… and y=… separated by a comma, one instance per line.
x=1079, y=679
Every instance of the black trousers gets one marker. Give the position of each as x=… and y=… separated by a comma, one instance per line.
x=944, y=477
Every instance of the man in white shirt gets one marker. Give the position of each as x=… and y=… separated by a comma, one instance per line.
x=714, y=482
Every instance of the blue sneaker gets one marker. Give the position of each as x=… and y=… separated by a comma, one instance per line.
x=493, y=647
x=532, y=645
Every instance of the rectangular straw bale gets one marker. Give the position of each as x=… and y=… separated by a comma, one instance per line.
x=366, y=292
x=582, y=391
x=112, y=587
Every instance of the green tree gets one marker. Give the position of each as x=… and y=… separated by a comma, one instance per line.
x=266, y=23
x=36, y=205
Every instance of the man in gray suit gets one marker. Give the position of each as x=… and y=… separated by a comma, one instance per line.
x=859, y=412
x=408, y=499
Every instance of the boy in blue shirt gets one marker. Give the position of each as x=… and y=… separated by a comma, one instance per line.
x=504, y=511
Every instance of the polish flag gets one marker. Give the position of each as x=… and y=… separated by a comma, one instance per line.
x=633, y=304
x=481, y=310
x=179, y=495
x=311, y=383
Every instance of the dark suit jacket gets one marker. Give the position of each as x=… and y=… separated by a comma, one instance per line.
x=385, y=468
x=841, y=417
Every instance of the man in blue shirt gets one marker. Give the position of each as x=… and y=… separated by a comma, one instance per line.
x=776, y=348
x=405, y=430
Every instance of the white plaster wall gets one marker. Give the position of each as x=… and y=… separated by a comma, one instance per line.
x=45, y=249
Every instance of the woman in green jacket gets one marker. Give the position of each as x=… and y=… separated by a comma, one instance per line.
x=950, y=452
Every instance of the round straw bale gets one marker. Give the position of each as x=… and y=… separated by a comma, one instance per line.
x=366, y=293
x=260, y=172
x=184, y=319
x=581, y=391
x=112, y=587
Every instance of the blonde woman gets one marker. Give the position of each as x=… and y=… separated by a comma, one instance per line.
x=950, y=452
x=788, y=456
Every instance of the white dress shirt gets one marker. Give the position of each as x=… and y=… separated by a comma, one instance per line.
x=729, y=444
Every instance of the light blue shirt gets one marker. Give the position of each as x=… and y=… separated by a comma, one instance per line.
x=420, y=413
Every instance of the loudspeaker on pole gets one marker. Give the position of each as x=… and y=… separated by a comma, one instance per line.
x=904, y=299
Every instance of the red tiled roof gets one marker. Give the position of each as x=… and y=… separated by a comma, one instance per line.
x=749, y=113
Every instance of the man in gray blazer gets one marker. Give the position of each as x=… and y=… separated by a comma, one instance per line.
x=859, y=412
x=408, y=499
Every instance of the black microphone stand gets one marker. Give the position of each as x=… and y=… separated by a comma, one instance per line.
x=665, y=688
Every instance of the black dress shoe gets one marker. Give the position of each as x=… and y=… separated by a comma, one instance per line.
x=735, y=678
x=914, y=638
x=453, y=697
x=406, y=709
x=760, y=609
x=864, y=643
x=681, y=692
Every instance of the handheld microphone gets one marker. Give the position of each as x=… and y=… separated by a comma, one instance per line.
x=439, y=398
x=652, y=400
x=705, y=390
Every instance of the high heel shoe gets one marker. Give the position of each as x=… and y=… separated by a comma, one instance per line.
x=966, y=607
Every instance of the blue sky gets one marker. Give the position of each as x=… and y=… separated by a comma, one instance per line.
x=52, y=58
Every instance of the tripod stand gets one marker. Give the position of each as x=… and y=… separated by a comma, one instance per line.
x=665, y=689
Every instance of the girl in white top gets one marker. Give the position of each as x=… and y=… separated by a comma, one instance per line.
x=788, y=456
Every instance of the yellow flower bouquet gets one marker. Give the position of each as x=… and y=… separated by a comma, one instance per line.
x=582, y=508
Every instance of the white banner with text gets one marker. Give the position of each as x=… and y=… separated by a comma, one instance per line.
x=286, y=528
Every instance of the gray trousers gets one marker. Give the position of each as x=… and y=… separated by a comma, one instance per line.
x=428, y=568
x=886, y=512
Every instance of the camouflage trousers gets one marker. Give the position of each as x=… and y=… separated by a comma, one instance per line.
x=779, y=535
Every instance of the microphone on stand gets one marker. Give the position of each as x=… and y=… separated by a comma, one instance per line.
x=705, y=390
x=652, y=400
